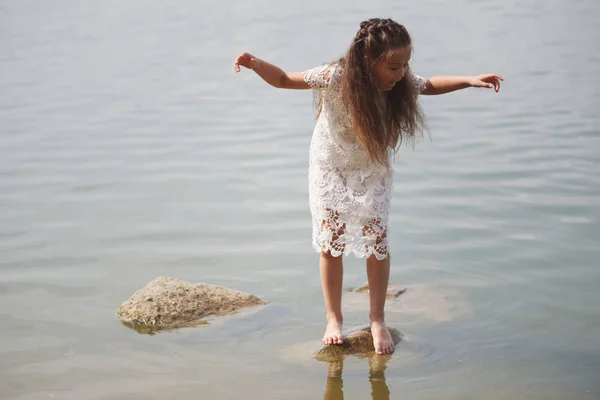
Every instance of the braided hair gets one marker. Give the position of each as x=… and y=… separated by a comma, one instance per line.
x=381, y=122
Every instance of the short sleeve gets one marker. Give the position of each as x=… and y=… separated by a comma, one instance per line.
x=318, y=77
x=418, y=82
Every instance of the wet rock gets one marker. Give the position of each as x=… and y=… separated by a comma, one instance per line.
x=392, y=291
x=167, y=303
x=357, y=342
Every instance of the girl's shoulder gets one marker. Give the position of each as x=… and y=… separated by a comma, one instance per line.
x=323, y=76
x=336, y=68
x=417, y=81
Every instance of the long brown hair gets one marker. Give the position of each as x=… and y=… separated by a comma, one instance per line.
x=380, y=122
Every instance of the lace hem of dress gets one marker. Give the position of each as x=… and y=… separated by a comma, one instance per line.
x=338, y=238
x=379, y=251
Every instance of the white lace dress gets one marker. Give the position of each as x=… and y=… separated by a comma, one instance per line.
x=349, y=194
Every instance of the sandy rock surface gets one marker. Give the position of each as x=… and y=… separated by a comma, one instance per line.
x=170, y=303
x=358, y=342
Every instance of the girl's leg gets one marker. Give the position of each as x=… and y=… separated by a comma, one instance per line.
x=332, y=272
x=378, y=273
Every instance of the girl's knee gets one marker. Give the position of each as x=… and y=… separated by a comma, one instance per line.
x=376, y=230
x=335, y=229
x=376, y=234
x=384, y=256
x=326, y=254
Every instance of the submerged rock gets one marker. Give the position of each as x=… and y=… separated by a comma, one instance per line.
x=358, y=342
x=392, y=291
x=167, y=303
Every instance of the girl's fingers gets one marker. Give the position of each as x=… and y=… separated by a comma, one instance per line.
x=492, y=76
x=497, y=84
x=236, y=64
x=491, y=81
x=496, y=79
x=244, y=60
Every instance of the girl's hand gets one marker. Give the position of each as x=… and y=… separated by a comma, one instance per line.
x=245, y=60
x=486, y=81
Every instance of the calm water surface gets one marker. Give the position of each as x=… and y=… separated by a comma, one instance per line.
x=129, y=150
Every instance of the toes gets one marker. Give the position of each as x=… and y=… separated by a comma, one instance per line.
x=330, y=340
x=384, y=349
x=333, y=337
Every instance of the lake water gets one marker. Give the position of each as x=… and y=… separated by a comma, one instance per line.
x=129, y=149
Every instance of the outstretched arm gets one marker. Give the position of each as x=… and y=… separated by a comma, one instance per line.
x=446, y=84
x=270, y=73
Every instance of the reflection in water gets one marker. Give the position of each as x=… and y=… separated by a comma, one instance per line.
x=379, y=388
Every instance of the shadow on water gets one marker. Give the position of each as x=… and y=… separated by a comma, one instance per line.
x=377, y=366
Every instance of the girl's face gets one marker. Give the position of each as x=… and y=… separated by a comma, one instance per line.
x=392, y=69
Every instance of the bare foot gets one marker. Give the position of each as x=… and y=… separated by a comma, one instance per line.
x=333, y=332
x=382, y=340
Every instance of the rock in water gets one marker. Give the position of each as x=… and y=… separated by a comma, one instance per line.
x=356, y=343
x=167, y=303
x=392, y=291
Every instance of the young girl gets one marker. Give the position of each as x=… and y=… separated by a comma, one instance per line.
x=367, y=103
